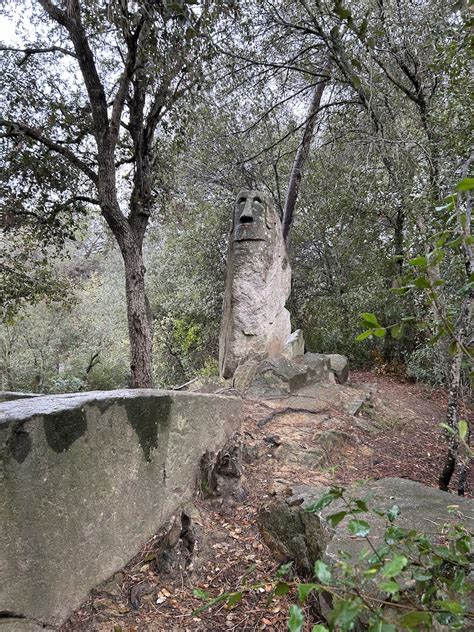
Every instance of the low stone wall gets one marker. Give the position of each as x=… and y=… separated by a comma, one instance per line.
x=86, y=479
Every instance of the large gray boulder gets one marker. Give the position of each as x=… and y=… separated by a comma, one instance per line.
x=86, y=479
x=337, y=364
x=258, y=278
x=280, y=376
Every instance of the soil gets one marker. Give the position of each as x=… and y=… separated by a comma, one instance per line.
x=396, y=433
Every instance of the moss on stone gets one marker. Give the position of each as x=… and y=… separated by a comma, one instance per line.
x=64, y=428
x=146, y=415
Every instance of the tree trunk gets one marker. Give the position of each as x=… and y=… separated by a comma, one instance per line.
x=300, y=159
x=139, y=320
x=463, y=327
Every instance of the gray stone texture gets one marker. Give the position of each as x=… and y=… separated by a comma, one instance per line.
x=258, y=278
x=281, y=376
x=339, y=366
x=294, y=346
x=86, y=479
x=8, y=396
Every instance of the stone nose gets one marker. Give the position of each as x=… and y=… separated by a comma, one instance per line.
x=246, y=217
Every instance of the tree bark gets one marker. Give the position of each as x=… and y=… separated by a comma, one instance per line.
x=301, y=158
x=139, y=321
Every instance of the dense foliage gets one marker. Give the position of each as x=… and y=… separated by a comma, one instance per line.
x=390, y=142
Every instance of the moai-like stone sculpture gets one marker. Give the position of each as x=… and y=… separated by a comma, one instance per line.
x=255, y=323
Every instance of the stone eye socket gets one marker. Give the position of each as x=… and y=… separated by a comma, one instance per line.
x=258, y=200
x=241, y=200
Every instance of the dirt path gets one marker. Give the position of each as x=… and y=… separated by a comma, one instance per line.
x=396, y=433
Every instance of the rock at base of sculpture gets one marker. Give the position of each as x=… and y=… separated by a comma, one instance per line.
x=294, y=346
x=255, y=321
x=281, y=376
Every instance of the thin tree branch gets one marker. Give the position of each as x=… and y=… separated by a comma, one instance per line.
x=15, y=129
x=34, y=50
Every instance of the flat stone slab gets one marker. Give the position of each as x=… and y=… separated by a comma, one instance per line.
x=86, y=479
x=7, y=396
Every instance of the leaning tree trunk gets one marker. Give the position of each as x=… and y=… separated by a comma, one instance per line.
x=300, y=159
x=139, y=321
x=452, y=414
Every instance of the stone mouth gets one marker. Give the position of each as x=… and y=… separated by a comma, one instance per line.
x=248, y=238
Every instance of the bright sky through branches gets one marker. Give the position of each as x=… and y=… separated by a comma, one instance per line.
x=7, y=30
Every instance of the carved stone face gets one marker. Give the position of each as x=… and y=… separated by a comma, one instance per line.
x=250, y=222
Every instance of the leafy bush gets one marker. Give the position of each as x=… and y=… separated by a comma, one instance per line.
x=427, y=365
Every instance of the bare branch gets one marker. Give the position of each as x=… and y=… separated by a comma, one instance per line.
x=34, y=50
x=124, y=83
x=16, y=129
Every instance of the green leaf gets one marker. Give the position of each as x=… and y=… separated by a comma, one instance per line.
x=379, y=626
x=343, y=12
x=364, y=335
x=336, y=518
x=369, y=318
x=442, y=239
x=396, y=331
x=284, y=569
x=234, y=598
x=361, y=505
x=395, y=566
x=418, y=261
x=345, y=613
x=452, y=607
x=200, y=594
x=319, y=628
x=394, y=534
x=466, y=185
x=282, y=588
x=462, y=428
x=359, y=528
x=413, y=620
x=296, y=620
x=422, y=282
x=379, y=332
x=325, y=500
x=393, y=513
x=422, y=576
x=304, y=590
x=390, y=587
x=322, y=572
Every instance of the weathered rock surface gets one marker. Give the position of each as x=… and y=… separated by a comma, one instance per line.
x=277, y=377
x=292, y=533
x=281, y=376
x=339, y=366
x=8, y=396
x=294, y=346
x=258, y=277
x=326, y=444
x=9, y=624
x=86, y=479
x=205, y=385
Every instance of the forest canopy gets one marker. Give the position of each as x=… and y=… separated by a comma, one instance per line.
x=127, y=129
